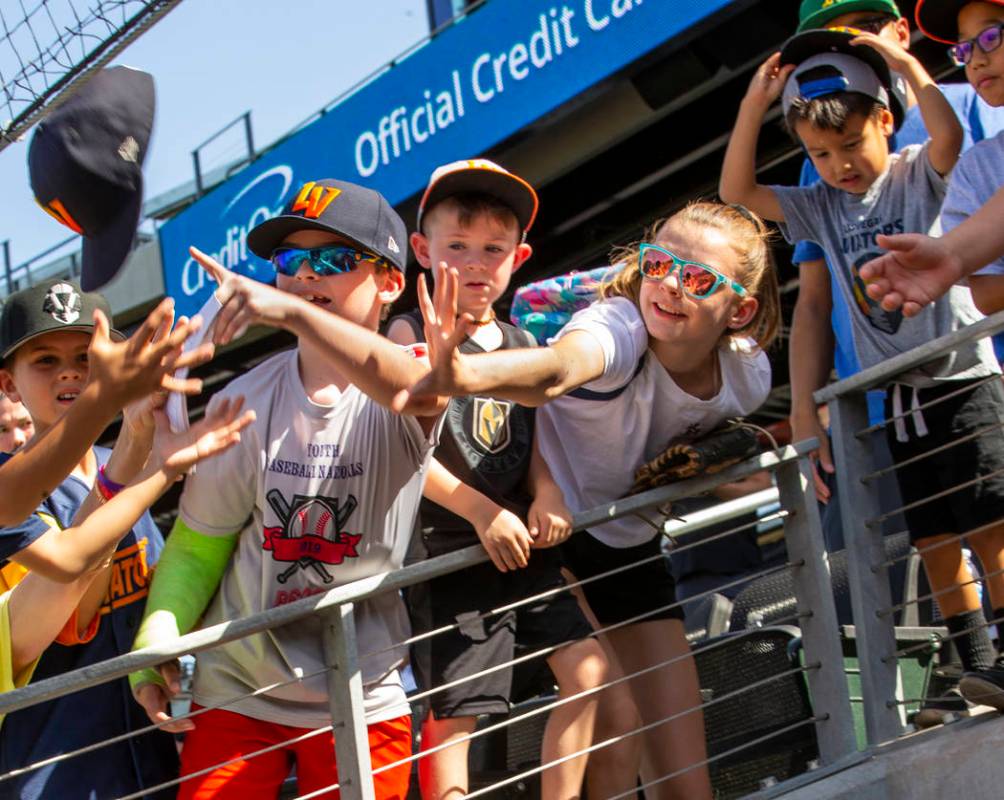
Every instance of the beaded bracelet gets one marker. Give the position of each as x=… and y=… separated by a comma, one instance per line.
x=106, y=487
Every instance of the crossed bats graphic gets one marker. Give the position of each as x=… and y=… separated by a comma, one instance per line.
x=285, y=513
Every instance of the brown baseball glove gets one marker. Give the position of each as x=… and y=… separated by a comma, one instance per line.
x=721, y=448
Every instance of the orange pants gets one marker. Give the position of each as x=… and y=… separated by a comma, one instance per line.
x=222, y=735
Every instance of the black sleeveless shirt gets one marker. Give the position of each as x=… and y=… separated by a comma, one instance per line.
x=486, y=443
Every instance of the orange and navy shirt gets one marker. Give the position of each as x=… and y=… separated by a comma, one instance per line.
x=98, y=713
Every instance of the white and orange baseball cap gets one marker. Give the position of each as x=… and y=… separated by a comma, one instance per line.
x=484, y=177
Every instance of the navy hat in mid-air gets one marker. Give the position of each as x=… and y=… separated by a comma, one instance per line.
x=86, y=166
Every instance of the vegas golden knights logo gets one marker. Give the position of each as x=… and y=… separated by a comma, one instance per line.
x=491, y=423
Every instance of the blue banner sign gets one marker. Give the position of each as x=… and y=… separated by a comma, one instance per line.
x=493, y=72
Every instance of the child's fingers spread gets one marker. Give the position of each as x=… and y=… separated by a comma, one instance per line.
x=189, y=386
x=193, y=358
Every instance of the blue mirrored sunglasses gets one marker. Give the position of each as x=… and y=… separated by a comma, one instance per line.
x=697, y=280
x=987, y=40
x=332, y=259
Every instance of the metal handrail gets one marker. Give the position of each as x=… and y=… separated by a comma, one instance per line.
x=151, y=657
x=882, y=374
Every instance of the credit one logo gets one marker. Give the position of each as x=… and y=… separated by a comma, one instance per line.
x=263, y=199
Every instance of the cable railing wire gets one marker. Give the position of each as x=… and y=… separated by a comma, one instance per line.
x=154, y=726
x=933, y=451
x=606, y=742
x=937, y=496
x=969, y=386
x=915, y=648
x=725, y=754
x=569, y=585
x=885, y=612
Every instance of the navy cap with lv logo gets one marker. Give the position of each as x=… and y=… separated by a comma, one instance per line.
x=345, y=209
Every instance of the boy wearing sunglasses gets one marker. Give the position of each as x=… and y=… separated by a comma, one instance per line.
x=322, y=490
x=486, y=480
x=838, y=102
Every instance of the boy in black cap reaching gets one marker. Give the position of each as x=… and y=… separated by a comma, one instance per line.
x=103, y=558
x=841, y=109
x=322, y=490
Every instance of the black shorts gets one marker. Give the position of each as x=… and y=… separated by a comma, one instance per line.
x=482, y=642
x=629, y=593
x=981, y=409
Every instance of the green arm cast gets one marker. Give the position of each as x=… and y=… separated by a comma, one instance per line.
x=186, y=578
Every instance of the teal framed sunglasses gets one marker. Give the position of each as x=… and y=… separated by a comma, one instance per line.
x=334, y=259
x=697, y=280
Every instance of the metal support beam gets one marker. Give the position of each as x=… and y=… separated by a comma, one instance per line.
x=820, y=631
x=868, y=578
x=345, y=692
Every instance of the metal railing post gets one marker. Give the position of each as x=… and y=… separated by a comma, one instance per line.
x=866, y=573
x=248, y=135
x=820, y=632
x=197, y=166
x=6, y=265
x=345, y=692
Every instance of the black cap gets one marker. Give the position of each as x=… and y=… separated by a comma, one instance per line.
x=53, y=305
x=355, y=212
x=86, y=166
x=818, y=44
x=938, y=19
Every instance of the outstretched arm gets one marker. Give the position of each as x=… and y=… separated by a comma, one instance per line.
x=530, y=376
x=120, y=372
x=377, y=366
x=939, y=118
x=39, y=607
x=918, y=270
x=66, y=555
x=738, y=182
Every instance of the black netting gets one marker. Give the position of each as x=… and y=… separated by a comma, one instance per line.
x=49, y=47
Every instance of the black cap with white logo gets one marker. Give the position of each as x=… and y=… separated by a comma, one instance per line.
x=86, y=166
x=359, y=214
x=53, y=305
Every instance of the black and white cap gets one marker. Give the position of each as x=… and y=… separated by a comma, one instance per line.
x=354, y=212
x=53, y=305
x=852, y=68
x=86, y=166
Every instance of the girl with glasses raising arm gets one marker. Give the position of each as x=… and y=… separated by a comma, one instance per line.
x=675, y=347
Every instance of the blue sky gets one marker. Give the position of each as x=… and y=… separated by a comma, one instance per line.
x=213, y=60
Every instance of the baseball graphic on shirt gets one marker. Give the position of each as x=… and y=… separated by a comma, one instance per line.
x=315, y=518
x=310, y=534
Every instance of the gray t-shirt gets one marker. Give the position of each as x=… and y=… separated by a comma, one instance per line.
x=321, y=495
x=905, y=198
x=975, y=179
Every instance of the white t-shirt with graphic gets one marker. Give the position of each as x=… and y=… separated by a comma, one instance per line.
x=594, y=447
x=321, y=495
